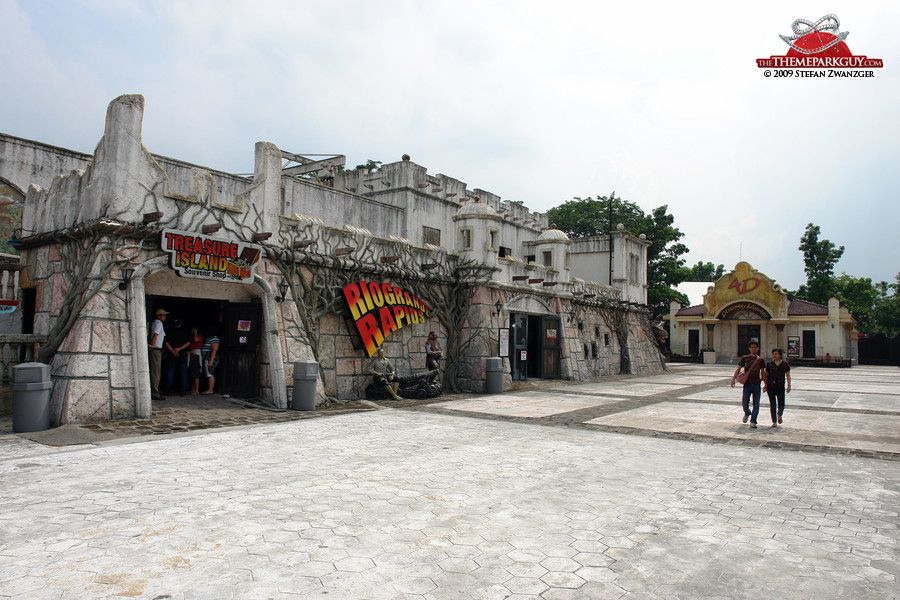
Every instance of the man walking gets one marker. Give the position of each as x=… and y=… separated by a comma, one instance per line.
x=754, y=373
x=157, y=337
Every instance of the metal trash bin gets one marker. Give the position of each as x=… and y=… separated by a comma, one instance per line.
x=31, y=397
x=306, y=374
x=493, y=366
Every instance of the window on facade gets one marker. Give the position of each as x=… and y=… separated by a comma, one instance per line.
x=465, y=239
x=494, y=239
x=530, y=258
x=594, y=349
x=606, y=339
x=568, y=259
x=547, y=258
x=432, y=236
x=504, y=252
x=596, y=332
x=586, y=354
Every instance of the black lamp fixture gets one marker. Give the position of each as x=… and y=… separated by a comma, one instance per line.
x=127, y=273
x=498, y=306
x=282, y=289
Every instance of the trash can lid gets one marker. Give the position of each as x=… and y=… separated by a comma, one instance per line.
x=31, y=372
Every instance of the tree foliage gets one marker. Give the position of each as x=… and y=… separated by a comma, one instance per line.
x=705, y=271
x=582, y=217
x=886, y=312
x=819, y=258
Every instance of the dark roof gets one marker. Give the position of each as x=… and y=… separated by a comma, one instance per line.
x=804, y=308
x=691, y=311
x=797, y=308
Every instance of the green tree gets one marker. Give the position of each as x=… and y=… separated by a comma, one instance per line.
x=859, y=295
x=819, y=258
x=371, y=166
x=582, y=217
x=886, y=313
x=705, y=271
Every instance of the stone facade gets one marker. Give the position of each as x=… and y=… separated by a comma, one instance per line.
x=480, y=264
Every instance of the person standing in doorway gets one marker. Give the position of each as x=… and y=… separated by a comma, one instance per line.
x=433, y=353
x=778, y=371
x=755, y=368
x=210, y=354
x=176, y=366
x=157, y=338
x=195, y=359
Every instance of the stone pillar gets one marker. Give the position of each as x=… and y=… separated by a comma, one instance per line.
x=710, y=339
x=779, y=335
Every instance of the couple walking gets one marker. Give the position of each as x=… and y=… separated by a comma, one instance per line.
x=774, y=377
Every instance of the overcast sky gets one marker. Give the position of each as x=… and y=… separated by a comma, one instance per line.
x=534, y=101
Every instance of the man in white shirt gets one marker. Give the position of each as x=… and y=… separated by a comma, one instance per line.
x=157, y=337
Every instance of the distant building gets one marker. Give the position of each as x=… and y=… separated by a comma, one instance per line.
x=745, y=305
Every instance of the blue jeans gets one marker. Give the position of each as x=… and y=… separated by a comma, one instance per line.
x=176, y=373
x=776, y=402
x=756, y=390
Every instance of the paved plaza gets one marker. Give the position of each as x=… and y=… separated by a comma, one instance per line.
x=637, y=487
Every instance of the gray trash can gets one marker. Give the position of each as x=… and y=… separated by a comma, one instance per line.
x=493, y=366
x=306, y=373
x=31, y=397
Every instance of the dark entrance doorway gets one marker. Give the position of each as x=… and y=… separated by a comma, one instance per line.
x=238, y=327
x=535, y=351
x=746, y=333
x=693, y=342
x=809, y=344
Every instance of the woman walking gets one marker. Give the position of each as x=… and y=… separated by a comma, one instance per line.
x=778, y=371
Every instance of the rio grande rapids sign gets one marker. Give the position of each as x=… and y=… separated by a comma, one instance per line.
x=379, y=309
x=201, y=257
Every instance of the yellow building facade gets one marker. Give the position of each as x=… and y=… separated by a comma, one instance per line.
x=745, y=305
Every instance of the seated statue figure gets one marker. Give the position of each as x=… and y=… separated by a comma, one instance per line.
x=382, y=372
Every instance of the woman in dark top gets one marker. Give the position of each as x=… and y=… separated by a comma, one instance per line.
x=755, y=366
x=778, y=371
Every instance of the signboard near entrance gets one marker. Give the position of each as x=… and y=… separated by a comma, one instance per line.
x=378, y=309
x=202, y=257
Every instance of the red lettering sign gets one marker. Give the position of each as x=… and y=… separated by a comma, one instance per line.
x=203, y=257
x=747, y=285
x=380, y=309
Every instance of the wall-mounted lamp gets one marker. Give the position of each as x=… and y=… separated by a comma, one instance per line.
x=127, y=273
x=211, y=228
x=282, y=289
x=498, y=306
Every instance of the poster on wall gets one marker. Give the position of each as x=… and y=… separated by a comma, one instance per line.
x=504, y=342
x=202, y=257
x=379, y=309
x=793, y=346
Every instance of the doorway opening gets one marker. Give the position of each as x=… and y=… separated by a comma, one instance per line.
x=746, y=334
x=535, y=351
x=238, y=327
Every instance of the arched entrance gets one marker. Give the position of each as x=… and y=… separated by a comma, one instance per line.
x=252, y=363
x=750, y=318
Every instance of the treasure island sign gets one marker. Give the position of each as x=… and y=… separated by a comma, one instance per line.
x=379, y=309
x=203, y=257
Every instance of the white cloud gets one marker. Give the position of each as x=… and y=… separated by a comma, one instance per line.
x=661, y=102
